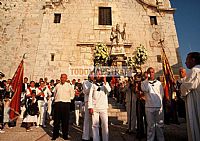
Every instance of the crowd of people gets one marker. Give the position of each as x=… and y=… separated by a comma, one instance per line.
x=51, y=102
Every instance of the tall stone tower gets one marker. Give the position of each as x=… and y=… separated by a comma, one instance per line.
x=59, y=34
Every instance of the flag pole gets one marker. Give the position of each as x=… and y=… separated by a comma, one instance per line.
x=16, y=84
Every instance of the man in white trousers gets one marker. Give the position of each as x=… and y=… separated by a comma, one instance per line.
x=154, y=94
x=42, y=93
x=98, y=106
x=87, y=125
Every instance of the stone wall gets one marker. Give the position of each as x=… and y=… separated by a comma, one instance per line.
x=28, y=27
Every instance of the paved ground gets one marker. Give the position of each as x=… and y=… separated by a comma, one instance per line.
x=172, y=132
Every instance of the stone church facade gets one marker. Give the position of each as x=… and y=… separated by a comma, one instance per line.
x=57, y=35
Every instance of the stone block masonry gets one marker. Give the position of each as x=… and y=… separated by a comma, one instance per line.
x=28, y=27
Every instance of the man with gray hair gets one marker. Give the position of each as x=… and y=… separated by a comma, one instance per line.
x=180, y=101
x=63, y=96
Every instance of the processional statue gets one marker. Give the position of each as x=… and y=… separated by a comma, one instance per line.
x=117, y=39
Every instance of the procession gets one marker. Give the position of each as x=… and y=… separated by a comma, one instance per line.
x=48, y=102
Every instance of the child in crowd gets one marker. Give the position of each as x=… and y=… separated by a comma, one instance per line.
x=31, y=112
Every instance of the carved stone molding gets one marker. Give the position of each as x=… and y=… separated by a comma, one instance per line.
x=156, y=6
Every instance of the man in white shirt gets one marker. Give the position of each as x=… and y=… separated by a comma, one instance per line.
x=87, y=129
x=154, y=94
x=98, y=106
x=63, y=96
x=190, y=89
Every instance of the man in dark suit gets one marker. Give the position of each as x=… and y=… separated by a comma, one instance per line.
x=25, y=85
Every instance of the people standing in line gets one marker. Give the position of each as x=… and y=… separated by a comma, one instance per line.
x=130, y=106
x=31, y=112
x=42, y=94
x=87, y=125
x=63, y=96
x=98, y=106
x=154, y=94
x=190, y=89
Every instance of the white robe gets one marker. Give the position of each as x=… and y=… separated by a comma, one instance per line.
x=190, y=88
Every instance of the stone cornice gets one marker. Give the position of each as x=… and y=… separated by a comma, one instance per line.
x=156, y=6
x=92, y=44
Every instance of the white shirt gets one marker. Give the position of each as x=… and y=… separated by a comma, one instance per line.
x=192, y=81
x=28, y=92
x=46, y=92
x=154, y=93
x=99, y=99
x=63, y=92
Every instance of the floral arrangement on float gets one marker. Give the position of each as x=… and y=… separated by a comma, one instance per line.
x=141, y=55
x=101, y=54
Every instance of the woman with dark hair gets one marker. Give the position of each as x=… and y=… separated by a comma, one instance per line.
x=190, y=88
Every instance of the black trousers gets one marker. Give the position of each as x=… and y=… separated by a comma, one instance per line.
x=61, y=115
x=140, y=112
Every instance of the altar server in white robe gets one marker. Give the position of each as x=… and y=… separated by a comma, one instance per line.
x=190, y=88
x=87, y=125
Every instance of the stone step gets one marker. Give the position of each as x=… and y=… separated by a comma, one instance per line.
x=116, y=106
x=120, y=114
x=117, y=111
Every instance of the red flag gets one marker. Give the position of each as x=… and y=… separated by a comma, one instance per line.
x=16, y=84
x=168, y=77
